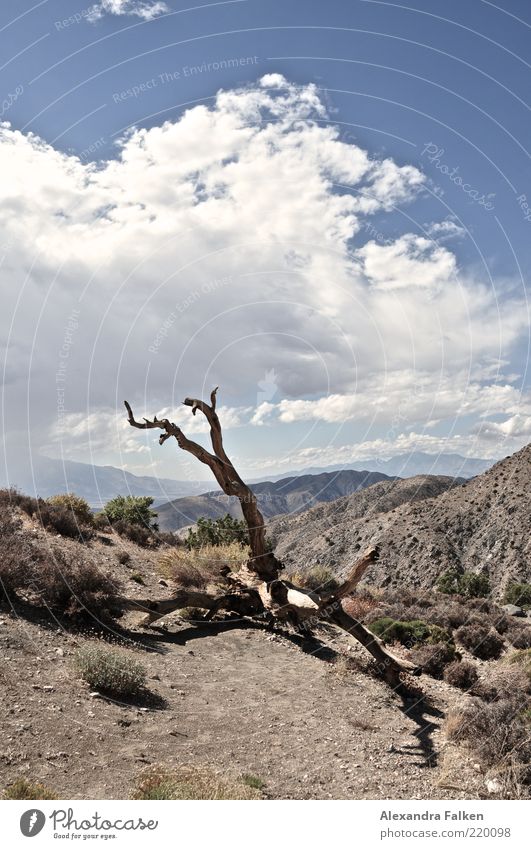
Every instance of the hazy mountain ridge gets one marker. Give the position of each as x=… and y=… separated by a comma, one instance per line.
x=288, y=495
x=483, y=525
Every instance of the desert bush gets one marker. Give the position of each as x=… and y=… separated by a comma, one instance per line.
x=132, y=509
x=481, y=640
x=198, y=568
x=169, y=539
x=360, y=607
x=192, y=782
x=22, y=788
x=498, y=733
x=222, y=531
x=112, y=672
x=317, y=578
x=461, y=673
x=75, y=504
x=139, y=534
x=454, y=581
x=433, y=659
x=519, y=594
x=123, y=557
x=10, y=498
x=101, y=523
x=49, y=578
x=519, y=636
x=409, y=633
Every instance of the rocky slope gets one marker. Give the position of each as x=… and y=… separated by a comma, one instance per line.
x=423, y=525
x=288, y=495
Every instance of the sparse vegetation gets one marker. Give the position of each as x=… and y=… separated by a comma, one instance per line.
x=194, y=782
x=22, y=788
x=481, y=640
x=455, y=581
x=112, y=672
x=139, y=534
x=461, y=674
x=137, y=578
x=218, y=532
x=498, y=734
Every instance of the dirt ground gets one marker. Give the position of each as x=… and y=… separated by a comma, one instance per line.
x=242, y=701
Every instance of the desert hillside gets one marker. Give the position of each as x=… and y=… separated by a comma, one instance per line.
x=287, y=495
x=422, y=526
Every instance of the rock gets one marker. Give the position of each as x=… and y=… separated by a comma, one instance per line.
x=163, y=583
x=60, y=652
x=513, y=610
x=493, y=785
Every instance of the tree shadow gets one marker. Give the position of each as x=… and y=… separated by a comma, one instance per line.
x=419, y=709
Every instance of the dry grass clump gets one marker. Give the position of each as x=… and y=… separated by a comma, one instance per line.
x=481, y=640
x=22, y=788
x=194, y=782
x=317, y=578
x=112, y=672
x=198, y=568
x=461, y=674
x=360, y=607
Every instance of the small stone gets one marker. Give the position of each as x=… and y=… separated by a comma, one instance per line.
x=48, y=688
x=163, y=583
x=60, y=652
x=95, y=695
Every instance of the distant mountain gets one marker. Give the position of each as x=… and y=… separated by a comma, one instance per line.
x=423, y=525
x=407, y=466
x=288, y=495
x=97, y=484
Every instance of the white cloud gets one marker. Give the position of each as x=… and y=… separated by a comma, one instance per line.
x=145, y=9
x=218, y=248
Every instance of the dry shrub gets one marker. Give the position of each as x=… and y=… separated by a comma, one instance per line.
x=193, y=782
x=433, y=659
x=112, y=672
x=481, y=640
x=498, y=734
x=461, y=674
x=200, y=567
x=522, y=659
x=360, y=607
x=138, y=534
x=317, y=578
x=22, y=788
x=519, y=636
x=49, y=579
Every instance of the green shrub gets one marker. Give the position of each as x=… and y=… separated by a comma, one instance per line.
x=132, y=509
x=222, y=531
x=22, y=788
x=456, y=582
x=519, y=594
x=112, y=672
x=192, y=782
x=75, y=504
x=481, y=640
x=409, y=633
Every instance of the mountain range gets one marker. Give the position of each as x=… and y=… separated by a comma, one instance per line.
x=423, y=525
x=97, y=484
x=288, y=495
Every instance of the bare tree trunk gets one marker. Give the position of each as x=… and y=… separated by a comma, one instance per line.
x=258, y=588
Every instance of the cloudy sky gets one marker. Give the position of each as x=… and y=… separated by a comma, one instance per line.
x=319, y=207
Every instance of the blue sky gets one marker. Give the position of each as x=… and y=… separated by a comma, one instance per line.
x=340, y=239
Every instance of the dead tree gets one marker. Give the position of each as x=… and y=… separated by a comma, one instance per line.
x=256, y=587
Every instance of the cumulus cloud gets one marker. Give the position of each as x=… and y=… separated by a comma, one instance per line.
x=228, y=245
x=145, y=9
